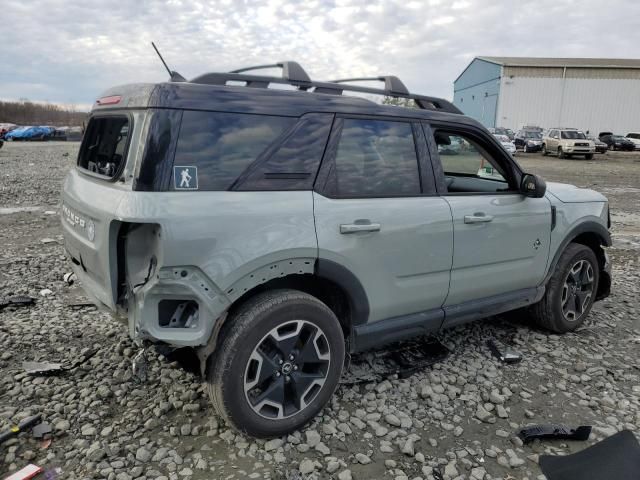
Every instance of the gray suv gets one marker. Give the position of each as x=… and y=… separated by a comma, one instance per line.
x=278, y=230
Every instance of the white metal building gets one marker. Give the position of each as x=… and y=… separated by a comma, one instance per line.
x=595, y=94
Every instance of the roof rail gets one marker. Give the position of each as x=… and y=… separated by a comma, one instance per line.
x=291, y=71
x=391, y=83
x=293, y=74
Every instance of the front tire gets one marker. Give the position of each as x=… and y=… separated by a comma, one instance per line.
x=561, y=153
x=526, y=149
x=278, y=362
x=544, y=150
x=588, y=156
x=570, y=292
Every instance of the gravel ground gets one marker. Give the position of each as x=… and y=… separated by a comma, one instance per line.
x=454, y=420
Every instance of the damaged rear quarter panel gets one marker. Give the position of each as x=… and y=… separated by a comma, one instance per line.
x=227, y=243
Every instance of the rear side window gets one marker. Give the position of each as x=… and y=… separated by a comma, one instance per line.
x=215, y=148
x=104, y=147
x=376, y=158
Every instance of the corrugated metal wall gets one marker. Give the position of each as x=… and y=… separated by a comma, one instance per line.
x=476, y=91
x=589, y=99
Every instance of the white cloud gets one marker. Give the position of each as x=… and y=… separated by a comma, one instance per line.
x=68, y=51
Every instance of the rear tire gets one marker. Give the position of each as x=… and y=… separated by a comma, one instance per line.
x=278, y=361
x=544, y=150
x=570, y=292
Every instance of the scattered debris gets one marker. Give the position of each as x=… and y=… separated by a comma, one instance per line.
x=508, y=357
x=48, y=368
x=27, y=472
x=40, y=430
x=17, y=301
x=140, y=366
x=554, y=432
x=21, y=427
x=47, y=241
x=401, y=359
x=46, y=443
x=45, y=292
x=50, y=212
x=69, y=278
x=616, y=457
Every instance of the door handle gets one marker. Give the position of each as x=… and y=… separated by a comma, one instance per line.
x=478, y=218
x=359, y=227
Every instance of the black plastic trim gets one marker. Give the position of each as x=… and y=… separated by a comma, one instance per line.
x=485, y=307
x=554, y=217
x=341, y=276
x=586, y=227
x=365, y=337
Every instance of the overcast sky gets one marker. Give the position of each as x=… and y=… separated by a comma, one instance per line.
x=68, y=51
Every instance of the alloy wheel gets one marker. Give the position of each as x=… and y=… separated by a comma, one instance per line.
x=577, y=290
x=287, y=369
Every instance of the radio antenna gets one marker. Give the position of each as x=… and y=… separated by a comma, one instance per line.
x=173, y=75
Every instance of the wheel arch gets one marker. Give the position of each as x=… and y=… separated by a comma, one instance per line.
x=331, y=283
x=595, y=236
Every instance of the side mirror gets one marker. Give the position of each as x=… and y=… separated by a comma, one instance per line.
x=533, y=186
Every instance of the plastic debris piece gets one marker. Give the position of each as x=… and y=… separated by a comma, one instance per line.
x=69, y=278
x=48, y=368
x=21, y=427
x=16, y=301
x=27, y=472
x=41, y=430
x=554, y=432
x=507, y=357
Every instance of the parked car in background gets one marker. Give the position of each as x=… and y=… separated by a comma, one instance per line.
x=29, y=133
x=503, y=131
x=601, y=147
x=528, y=140
x=506, y=143
x=635, y=138
x=566, y=142
x=617, y=142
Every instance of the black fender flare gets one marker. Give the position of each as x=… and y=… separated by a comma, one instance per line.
x=345, y=279
x=586, y=227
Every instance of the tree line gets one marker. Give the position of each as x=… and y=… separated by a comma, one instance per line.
x=25, y=112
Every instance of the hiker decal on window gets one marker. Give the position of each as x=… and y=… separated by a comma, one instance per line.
x=185, y=178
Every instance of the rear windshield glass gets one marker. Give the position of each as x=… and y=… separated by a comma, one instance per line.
x=104, y=145
x=215, y=148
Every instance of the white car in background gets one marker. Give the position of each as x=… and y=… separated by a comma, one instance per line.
x=508, y=145
x=635, y=138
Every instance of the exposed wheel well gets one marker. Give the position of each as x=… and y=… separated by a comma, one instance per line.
x=324, y=290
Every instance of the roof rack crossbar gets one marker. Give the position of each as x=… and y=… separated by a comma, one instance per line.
x=391, y=83
x=332, y=88
x=291, y=71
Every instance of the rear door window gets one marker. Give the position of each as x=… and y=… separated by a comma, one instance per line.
x=215, y=148
x=375, y=158
x=104, y=147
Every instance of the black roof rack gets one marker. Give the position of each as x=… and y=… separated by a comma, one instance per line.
x=391, y=83
x=293, y=74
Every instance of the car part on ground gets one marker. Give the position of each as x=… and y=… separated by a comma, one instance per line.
x=616, y=457
x=46, y=369
x=24, y=425
x=506, y=357
x=553, y=432
x=16, y=301
x=400, y=359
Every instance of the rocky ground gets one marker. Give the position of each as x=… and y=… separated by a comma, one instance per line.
x=454, y=420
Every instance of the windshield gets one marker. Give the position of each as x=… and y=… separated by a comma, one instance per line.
x=572, y=134
x=617, y=137
x=534, y=135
